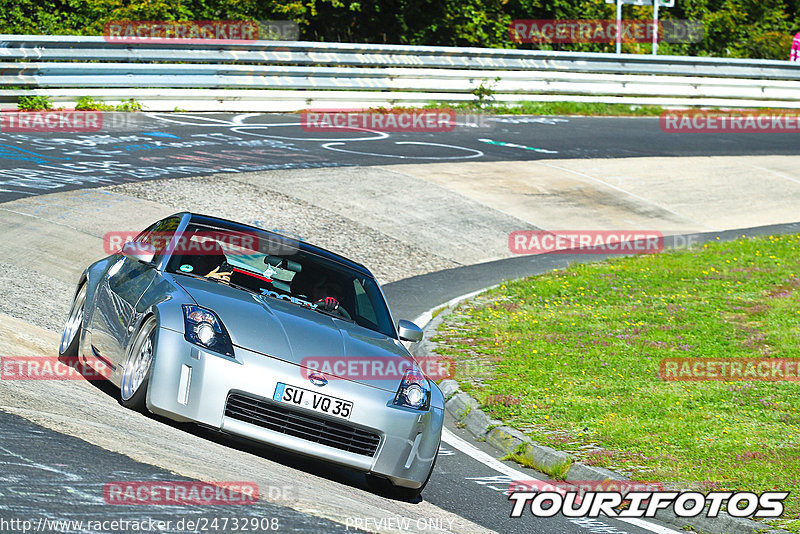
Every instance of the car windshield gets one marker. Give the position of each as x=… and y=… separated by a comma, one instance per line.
x=252, y=261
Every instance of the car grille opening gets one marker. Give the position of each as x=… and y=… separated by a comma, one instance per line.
x=300, y=424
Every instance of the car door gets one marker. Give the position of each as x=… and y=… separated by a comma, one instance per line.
x=119, y=292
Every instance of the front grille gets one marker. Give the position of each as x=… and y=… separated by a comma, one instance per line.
x=299, y=424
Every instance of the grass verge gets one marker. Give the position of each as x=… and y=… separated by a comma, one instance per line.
x=572, y=357
x=557, y=108
x=536, y=108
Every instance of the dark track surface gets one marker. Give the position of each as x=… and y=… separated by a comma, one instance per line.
x=133, y=147
x=56, y=482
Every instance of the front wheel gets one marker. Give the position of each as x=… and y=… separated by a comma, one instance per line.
x=71, y=337
x=135, y=377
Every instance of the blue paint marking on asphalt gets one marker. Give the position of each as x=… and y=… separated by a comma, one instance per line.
x=141, y=146
x=7, y=152
x=161, y=134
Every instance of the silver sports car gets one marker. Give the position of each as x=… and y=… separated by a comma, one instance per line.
x=255, y=334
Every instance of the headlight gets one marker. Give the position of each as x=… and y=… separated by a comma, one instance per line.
x=203, y=327
x=414, y=391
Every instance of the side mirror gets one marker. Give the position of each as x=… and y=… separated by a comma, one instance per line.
x=144, y=252
x=408, y=331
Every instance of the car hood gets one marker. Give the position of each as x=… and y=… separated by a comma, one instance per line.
x=292, y=333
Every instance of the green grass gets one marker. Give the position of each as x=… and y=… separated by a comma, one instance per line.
x=572, y=358
x=437, y=311
x=555, y=108
x=556, y=472
x=575, y=108
x=537, y=108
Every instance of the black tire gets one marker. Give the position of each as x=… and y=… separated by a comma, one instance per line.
x=71, y=335
x=135, y=378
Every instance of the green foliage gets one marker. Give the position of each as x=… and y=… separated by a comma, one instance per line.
x=34, y=103
x=733, y=28
x=484, y=94
x=129, y=105
x=87, y=103
x=768, y=45
x=548, y=108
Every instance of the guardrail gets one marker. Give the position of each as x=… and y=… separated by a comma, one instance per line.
x=286, y=76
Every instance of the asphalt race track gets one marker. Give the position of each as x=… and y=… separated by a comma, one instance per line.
x=133, y=147
x=36, y=478
x=54, y=475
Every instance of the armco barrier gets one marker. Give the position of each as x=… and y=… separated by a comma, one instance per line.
x=286, y=76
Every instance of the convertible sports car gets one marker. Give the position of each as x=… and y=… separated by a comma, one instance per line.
x=207, y=320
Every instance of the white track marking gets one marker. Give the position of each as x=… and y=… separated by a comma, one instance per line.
x=239, y=119
x=245, y=129
x=476, y=153
x=238, y=124
x=473, y=452
x=776, y=173
x=203, y=121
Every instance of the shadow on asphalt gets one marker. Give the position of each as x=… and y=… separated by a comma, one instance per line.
x=332, y=472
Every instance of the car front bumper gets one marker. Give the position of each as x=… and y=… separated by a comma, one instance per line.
x=188, y=383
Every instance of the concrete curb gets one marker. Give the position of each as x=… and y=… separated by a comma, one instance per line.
x=510, y=441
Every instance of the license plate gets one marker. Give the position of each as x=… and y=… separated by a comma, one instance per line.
x=313, y=400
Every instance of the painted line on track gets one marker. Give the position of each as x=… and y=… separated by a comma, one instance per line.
x=489, y=461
